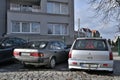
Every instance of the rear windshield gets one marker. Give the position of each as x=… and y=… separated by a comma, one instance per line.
x=37, y=44
x=87, y=44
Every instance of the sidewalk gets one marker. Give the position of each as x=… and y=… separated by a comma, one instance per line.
x=115, y=56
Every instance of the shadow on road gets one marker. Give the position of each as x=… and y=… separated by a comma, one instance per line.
x=15, y=67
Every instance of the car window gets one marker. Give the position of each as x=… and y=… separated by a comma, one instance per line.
x=55, y=46
x=19, y=41
x=37, y=44
x=63, y=45
x=8, y=42
x=90, y=44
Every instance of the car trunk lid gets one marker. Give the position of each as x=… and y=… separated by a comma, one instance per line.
x=90, y=55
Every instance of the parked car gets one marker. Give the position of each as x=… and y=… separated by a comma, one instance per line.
x=91, y=54
x=40, y=53
x=7, y=45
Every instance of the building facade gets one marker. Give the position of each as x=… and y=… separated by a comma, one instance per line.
x=95, y=33
x=39, y=19
x=3, y=17
x=86, y=32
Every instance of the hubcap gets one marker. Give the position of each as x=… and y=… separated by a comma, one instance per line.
x=52, y=63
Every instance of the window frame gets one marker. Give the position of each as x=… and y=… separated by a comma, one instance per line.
x=51, y=4
x=54, y=28
x=21, y=27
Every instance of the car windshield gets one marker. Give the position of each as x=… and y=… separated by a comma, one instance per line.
x=90, y=44
x=37, y=44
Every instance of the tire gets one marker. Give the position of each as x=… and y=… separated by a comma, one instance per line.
x=111, y=72
x=71, y=69
x=52, y=63
x=26, y=65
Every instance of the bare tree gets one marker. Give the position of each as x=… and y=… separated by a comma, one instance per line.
x=108, y=9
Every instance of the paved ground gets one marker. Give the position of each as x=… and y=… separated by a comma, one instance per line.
x=17, y=72
x=116, y=56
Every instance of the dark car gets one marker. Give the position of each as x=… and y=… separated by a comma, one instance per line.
x=7, y=45
x=40, y=53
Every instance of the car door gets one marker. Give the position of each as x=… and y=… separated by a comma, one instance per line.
x=55, y=50
x=2, y=53
x=64, y=51
x=6, y=49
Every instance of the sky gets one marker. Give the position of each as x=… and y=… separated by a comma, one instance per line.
x=85, y=13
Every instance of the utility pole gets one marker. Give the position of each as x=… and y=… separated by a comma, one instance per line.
x=78, y=27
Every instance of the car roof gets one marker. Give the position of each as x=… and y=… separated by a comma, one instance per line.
x=91, y=38
x=44, y=40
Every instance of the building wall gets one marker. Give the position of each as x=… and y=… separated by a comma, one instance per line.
x=44, y=18
x=2, y=17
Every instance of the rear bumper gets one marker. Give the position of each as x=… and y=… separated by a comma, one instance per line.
x=91, y=65
x=33, y=60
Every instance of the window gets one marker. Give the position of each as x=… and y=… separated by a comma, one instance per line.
x=64, y=29
x=57, y=29
x=35, y=27
x=50, y=29
x=25, y=27
x=63, y=45
x=55, y=46
x=89, y=44
x=15, y=26
x=37, y=44
x=8, y=43
x=57, y=8
x=64, y=8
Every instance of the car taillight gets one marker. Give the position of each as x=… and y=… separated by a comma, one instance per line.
x=35, y=54
x=70, y=54
x=105, y=65
x=16, y=53
x=111, y=56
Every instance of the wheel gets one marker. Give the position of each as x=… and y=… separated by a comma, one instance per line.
x=111, y=72
x=26, y=65
x=52, y=63
x=71, y=69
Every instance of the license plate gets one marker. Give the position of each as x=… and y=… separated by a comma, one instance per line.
x=94, y=65
x=84, y=65
x=89, y=65
x=25, y=54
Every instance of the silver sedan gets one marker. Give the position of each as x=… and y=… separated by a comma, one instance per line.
x=40, y=53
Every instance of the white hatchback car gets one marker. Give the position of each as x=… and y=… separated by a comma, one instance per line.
x=91, y=54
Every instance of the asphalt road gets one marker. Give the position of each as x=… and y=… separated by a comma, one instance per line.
x=16, y=71
x=10, y=66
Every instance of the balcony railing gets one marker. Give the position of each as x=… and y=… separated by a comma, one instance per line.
x=35, y=2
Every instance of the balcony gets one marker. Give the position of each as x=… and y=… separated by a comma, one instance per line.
x=25, y=5
x=35, y=2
